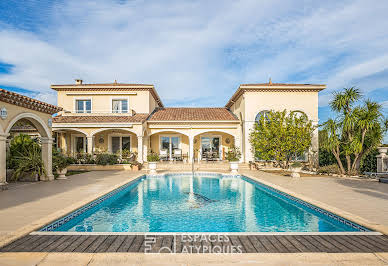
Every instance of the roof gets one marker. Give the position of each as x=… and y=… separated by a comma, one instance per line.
x=273, y=87
x=192, y=114
x=27, y=102
x=103, y=84
x=137, y=118
x=111, y=87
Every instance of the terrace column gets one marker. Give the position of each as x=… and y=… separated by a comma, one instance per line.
x=90, y=144
x=47, y=147
x=237, y=144
x=140, y=149
x=191, y=149
x=3, y=162
x=145, y=148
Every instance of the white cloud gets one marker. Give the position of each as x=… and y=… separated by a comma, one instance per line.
x=199, y=49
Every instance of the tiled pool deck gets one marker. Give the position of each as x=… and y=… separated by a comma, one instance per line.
x=26, y=208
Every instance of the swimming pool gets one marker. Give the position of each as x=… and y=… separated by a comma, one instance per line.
x=205, y=202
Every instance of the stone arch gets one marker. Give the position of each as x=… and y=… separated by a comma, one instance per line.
x=1, y=129
x=170, y=130
x=94, y=132
x=72, y=129
x=214, y=130
x=46, y=139
x=38, y=123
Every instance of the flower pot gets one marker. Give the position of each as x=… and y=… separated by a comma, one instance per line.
x=234, y=167
x=152, y=167
x=135, y=167
x=62, y=173
x=296, y=171
x=382, y=150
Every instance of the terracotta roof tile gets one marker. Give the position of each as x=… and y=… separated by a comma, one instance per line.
x=27, y=102
x=279, y=84
x=100, y=119
x=193, y=114
x=102, y=84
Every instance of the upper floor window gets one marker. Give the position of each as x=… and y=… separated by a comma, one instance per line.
x=83, y=106
x=120, y=106
x=261, y=114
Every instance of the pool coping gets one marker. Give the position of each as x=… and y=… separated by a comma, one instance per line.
x=383, y=229
x=36, y=225
x=32, y=228
x=59, y=222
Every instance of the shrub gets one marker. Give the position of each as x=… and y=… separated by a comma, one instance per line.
x=296, y=165
x=233, y=154
x=19, y=147
x=60, y=161
x=369, y=162
x=106, y=158
x=329, y=169
x=84, y=158
x=30, y=163
x=153, y=157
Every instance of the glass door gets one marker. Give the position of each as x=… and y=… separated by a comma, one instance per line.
x=210, y=147
x=169, y=144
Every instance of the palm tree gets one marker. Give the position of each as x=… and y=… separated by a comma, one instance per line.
x=357, y=130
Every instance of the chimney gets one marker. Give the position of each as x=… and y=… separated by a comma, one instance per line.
x=270, y=81
x=78, y=81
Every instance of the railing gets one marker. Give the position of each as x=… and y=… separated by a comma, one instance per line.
x=130, y=112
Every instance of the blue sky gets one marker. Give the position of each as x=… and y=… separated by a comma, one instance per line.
x=195, y=52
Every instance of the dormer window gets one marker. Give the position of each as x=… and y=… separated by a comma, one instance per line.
x=83, y=106
x=119, y=105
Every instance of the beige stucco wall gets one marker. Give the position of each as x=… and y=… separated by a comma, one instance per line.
x=37, y=118
x=251, y=103
x=102, y=103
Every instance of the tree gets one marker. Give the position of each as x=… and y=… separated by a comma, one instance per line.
x=281, y=137
x=357, y=130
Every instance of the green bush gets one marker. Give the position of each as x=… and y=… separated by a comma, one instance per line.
x=60, y=161
x=329, y=169
x=84, y=158
x=369, y=162
x=29, y=162
x=233, y=154
x=106, y=158
x=153, y=157
x=296, y=165
x=19, y=147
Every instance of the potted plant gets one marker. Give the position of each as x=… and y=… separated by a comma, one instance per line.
x=152, y=159
x=60, y=162
x=233, y=156
x=136, y=166
x=296, y=167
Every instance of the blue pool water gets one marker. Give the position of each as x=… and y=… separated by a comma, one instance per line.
x=202, y=203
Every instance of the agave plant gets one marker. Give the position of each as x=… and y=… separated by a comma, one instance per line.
x=29, y=162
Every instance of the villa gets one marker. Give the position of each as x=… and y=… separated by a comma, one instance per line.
x=112, y=117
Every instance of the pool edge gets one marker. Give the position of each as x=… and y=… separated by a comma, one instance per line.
x=339, y=212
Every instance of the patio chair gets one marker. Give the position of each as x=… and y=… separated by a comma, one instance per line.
x=177, y=154
x=163, y=155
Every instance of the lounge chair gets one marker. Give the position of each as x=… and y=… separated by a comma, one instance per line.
x=177, y=155
x=163, y=155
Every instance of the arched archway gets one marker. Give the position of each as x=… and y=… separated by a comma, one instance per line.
x=213, y=144
x=170, y=144
x=45, y=139
x=38, y=123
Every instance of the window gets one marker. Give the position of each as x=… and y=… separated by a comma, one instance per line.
x=262, y=113
x=120, y=143
x=83, y=106
x=79, y=143
x=120, y=106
